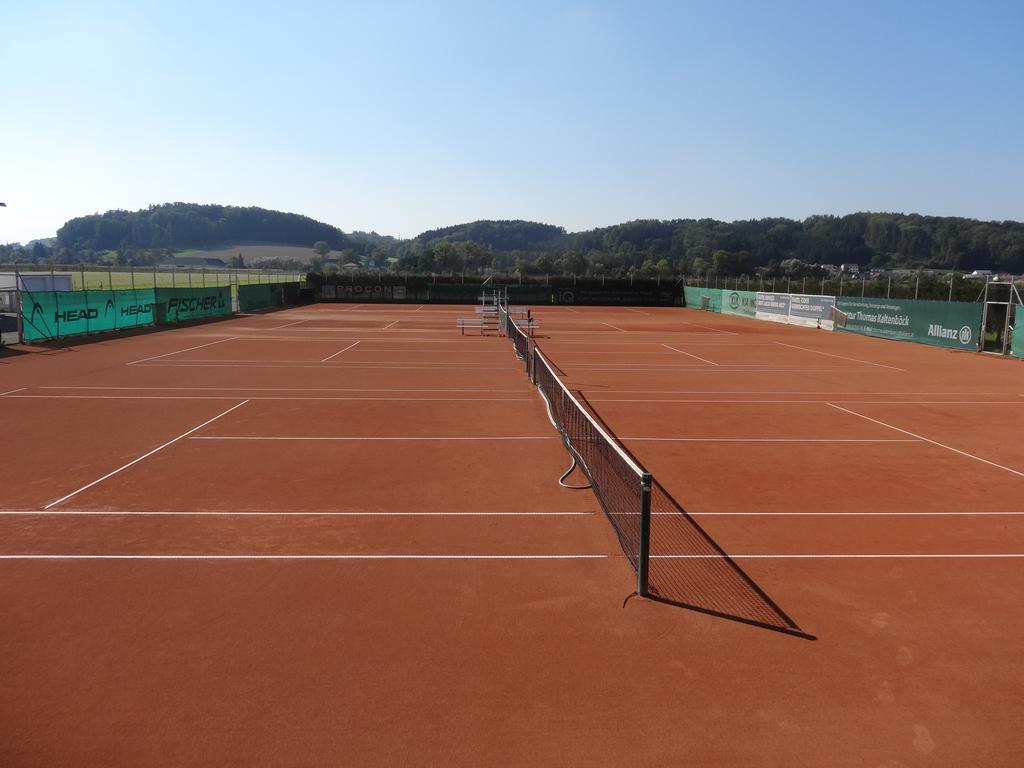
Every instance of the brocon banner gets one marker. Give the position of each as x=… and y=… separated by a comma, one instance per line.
x=941, y=323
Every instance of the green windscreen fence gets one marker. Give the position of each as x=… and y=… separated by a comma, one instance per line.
x=175, y=305
x=692, y=296
x=941, y=323
x=260, y=296
x=54, y=314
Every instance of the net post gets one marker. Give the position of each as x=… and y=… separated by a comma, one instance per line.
x=644, y=555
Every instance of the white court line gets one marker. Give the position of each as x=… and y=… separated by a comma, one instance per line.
x=346, y=349
x=400, y=438
x=764, y=440
x=716, y=369
x=343, y=366
x=695, y=357
x=12, y=391
x=305, y=557
x=709, y=328
x=391, y=324
x=927, y=440
x=767, y=392
x=848, y=514
x=615, y=327
x=805, y=402
x=265, y=397
x=853, y=556
x=287, y=389
x=179, y=351
x=214, y=513
x=841, y=357
x=145, y=455
x=288, y=325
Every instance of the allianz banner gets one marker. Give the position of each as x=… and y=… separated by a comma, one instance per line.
x=53, y=314
x=178, y=304
x=941, y=323
x=743, y=303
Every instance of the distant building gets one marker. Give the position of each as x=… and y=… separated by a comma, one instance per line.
x=850, y=269
x=830, y=268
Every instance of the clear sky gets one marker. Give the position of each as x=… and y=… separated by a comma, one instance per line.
x=404, y=116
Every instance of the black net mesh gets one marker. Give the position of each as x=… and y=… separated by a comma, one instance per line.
x=615, y=483
x=520, y=341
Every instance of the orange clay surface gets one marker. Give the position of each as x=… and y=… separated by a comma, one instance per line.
x=333, y=536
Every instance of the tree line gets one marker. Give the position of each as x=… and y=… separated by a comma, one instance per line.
x=773, y=246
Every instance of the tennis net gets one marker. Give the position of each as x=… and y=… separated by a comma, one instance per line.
x=676, y=561
x=520, y=340
x=621, y=485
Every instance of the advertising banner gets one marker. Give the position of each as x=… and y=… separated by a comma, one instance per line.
x=742, y=303
x=178, y=304
x=772, y=306
x=53, y=314
x=941, y=323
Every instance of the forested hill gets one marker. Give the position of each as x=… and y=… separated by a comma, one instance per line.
x=686, y=246
x=188, y=225
x=503, y=235
x=696, y=246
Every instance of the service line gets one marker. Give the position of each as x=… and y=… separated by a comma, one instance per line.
x=615, y=327
x=346, y=349
x=927, y=440
x=357, y=438
x=179, y=351
x=145, y=455
x=305, y=557
x=840, y=357
x=695, y=357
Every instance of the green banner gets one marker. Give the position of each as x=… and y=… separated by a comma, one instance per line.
x=941, y=323
x=54, y=314
x=693, y=296
x=177, y=304
x=743, y=303
x=259, y=296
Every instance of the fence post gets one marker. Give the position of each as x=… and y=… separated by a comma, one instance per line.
x=917, y=286
x=888, y=288
x=841, y=283
x=951, y=289
x=644, y=555
x=823, y=286
x=81, y=270
x=863, y=284
x=110, y=278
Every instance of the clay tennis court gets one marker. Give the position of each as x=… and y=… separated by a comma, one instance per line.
x=333, y=535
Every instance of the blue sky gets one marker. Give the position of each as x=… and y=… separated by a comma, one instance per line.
x=399, y=117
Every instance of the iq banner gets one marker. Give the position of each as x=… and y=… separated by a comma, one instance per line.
x=173, y=305
x=742, y=303
x=54, y=314
x=941, y=323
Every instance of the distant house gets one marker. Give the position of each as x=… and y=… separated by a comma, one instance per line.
x=850, y=269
